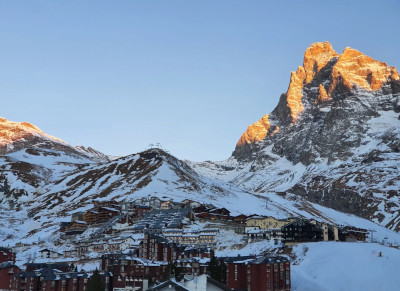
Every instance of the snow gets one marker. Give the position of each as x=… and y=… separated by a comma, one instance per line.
x=345, y=266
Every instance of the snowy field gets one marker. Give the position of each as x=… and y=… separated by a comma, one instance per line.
x=345, y=266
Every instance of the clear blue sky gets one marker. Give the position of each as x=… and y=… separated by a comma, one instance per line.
x=191, y=75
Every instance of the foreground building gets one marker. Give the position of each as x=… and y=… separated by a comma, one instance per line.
x=7, y=278
x=263, y=273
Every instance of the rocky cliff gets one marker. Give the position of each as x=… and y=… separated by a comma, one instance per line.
x=334, y=137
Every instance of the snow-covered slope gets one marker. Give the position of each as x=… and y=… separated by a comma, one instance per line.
x=345, y=266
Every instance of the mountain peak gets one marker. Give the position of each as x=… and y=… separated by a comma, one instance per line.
x=324, y=78
x=316, y=57
x=11, y=132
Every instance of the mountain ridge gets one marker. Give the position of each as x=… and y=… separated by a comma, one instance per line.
x=338, y=150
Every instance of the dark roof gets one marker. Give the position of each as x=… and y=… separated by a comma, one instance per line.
x=255, y=259
x=5, y=250
x=218, y=284
x=5, y=265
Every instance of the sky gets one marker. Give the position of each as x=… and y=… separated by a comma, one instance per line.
x=190, y=75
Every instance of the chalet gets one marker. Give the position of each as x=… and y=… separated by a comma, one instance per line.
x=258, y=273
x=100, y=215
x=7, y=279
x=7, y=255
x=240, y=218
x=76, y=227
x=139, y=211
x=350, y=233
x=49, y=254
x=201, y=209
x=220, y=214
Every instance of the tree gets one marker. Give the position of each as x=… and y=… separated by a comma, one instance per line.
x=222, y=270
x=168, y=271
x=217, y=268
x=95, y=283
x=71, y=267
x=213, y=266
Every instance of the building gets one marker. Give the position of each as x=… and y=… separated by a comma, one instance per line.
x=49, y=254
x=130, y=272
x=7, y=255
x=7, y=279
x=76, y=227
x=262, y=273
x=156, y=220
x=220, y=214
x=139, y=211
x=267, y=222
x=100, y=214
x=308, y=230
x=351, y=233
x=240, y=218
x=50, y=277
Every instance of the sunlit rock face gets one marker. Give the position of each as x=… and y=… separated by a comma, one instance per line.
x=322, y=113
x=354, y=69
x=316, y=57
x=255, y=132
x=17, y=135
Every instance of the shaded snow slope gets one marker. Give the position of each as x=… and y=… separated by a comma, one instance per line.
x=345, y=266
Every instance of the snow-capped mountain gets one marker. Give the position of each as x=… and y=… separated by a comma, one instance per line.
x=333, y=138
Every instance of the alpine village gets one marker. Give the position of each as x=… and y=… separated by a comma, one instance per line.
x=74, y=219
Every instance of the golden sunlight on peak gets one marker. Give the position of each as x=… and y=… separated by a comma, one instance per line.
x=255, y=132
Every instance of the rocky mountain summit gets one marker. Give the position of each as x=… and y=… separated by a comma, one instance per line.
x=324, y=111
x=333, y=138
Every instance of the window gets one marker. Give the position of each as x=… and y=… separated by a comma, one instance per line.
x=235, y=272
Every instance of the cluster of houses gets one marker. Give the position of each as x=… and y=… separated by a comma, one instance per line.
x=152, y=271
x=137, y=242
